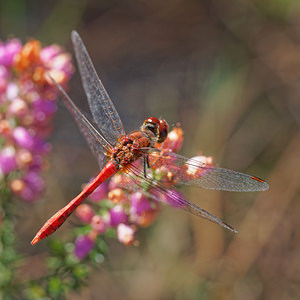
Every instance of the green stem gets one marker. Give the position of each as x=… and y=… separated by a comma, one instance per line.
x=8, y=255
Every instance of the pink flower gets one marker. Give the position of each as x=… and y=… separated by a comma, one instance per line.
x=139, y=203
x=142, y=211
x=5, y=129
x=8, y=51
x=24, y=158
x=49, y=52
x=34, y=181
x=27, y=194
x=27, y=190
x=99, y=224
x=125, y=234
x=85, y=213
x=61, y=62
x=57, y=62
x=194, y=165
x=37, y=162
x=18, y=107
x=43, y=109
x=23, y=138
x=120, y=181
x=29, y=187
x=3, y=81
x=12, y=91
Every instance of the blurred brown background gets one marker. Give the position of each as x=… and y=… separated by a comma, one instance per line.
x=229, y=72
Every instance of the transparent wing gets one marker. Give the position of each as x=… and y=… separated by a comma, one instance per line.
x=97, y=143
x=155, y=190
x=102, y=108
x=191, y=171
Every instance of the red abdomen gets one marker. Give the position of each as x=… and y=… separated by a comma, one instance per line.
x=61, y=216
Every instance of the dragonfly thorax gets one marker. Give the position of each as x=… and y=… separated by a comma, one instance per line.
x=155, y=129
x=130, y=148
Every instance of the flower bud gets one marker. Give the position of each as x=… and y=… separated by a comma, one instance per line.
x=85, y=213
x=117, y=196
x=195, y=164
x=17, y=185
x=99, y=224
x=18, y=107
x=174, y=140
x=125, y=234
x=5, y=128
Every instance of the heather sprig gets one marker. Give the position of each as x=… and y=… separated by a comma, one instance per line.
x=28, y=104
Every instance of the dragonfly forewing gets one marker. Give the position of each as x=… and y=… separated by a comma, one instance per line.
x=102, y=108
x=97, y=143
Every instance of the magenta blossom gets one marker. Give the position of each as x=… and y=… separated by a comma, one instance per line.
x=117, y=215
x=139, y=203
x=23, y=138
x=27, y=194
x=83, y=245
x=173, y=198
x=8, y=160
x=8, y=51
x=34, y=181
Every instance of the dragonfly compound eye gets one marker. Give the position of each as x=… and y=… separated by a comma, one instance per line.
x=162, y=131
x=152, y=124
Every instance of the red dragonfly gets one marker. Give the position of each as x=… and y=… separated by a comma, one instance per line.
x=117, y=152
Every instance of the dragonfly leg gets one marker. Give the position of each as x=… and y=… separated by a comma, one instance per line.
x=147, y=162
x=146, y=165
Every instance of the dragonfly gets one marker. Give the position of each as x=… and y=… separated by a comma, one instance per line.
x=117, y=152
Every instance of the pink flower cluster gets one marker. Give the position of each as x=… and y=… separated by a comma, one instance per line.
x=27, y=102
x=128, y=209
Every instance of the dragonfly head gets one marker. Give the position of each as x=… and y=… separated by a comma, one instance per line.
x=157, y=128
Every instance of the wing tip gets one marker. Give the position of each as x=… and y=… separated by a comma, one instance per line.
x=74, y=35
x=225, y=225
x=263, y=184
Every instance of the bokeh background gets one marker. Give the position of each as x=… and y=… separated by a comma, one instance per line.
x=229, y=72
